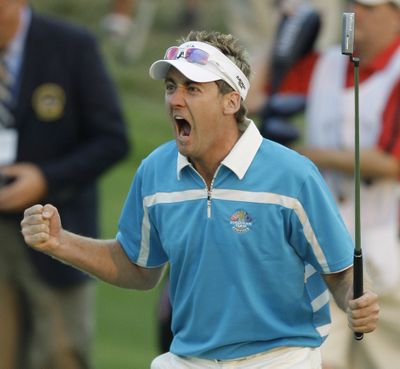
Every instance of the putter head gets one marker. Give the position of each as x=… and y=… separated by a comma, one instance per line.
x=348, y=33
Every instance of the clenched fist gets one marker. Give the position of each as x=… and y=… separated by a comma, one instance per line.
x=41, y=228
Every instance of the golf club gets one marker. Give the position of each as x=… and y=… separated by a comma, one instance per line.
x=347, y=49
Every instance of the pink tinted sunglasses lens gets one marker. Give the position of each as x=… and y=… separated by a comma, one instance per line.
x=198, y=56
x=191, y=54
x=171, y=53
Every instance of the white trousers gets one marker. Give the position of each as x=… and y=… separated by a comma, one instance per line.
x=280, y=358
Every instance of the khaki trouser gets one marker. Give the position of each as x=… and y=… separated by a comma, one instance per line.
x=378, y=350
x=60, y=321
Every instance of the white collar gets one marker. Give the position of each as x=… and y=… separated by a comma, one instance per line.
x=240, y=157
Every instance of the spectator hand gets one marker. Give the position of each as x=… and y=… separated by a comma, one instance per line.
x=363, y=313
x=28, y=187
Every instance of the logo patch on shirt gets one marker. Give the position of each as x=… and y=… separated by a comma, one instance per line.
x=241, y=221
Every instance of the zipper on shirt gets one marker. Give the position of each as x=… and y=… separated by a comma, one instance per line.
x=208, y=203
x=209, y=190
x=209, y=193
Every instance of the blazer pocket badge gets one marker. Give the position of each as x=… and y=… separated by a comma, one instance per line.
x=48, y=102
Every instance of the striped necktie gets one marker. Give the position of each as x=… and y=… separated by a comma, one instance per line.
x=6, y=98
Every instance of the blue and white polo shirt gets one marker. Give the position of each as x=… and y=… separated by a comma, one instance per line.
x=245, y=255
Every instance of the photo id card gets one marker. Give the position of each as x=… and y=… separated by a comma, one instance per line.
x=8, y=145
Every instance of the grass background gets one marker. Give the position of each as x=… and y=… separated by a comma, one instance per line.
x=126, y=320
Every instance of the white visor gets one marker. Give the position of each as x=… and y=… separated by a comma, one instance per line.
x=218, y=67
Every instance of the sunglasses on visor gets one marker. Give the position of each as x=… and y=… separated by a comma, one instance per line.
x=190, y=54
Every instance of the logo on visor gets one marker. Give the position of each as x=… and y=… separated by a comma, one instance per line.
x=241, y=221
x=241, y=83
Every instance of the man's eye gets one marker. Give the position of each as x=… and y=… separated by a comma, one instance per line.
x=169, y=87
x=193, y=88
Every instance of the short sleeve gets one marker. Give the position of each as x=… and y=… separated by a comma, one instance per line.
x=136, y=233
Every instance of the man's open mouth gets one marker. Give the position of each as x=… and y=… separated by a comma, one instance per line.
x=184, y=127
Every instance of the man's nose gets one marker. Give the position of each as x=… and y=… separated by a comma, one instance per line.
x=177, y=98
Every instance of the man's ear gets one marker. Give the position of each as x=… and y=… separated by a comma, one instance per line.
x=231, y=102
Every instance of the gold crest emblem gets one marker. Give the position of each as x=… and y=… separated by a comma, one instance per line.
x=48, y=102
